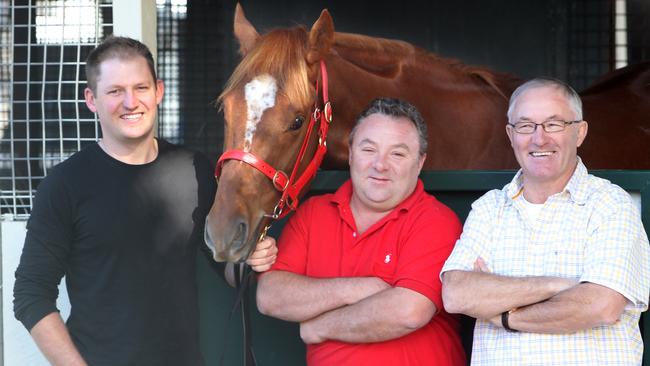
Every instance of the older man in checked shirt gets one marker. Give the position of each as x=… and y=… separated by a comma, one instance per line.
x=555, y=266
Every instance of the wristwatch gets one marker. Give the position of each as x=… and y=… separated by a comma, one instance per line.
x=504, y=320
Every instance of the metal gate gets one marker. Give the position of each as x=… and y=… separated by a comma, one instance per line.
x=42, y=113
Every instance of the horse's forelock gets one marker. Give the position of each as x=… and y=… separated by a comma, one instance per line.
x=281, y=54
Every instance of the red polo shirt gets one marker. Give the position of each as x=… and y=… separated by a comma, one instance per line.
x=407, y=248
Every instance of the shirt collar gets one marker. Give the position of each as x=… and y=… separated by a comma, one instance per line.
x=343, y=196
x=576, y=188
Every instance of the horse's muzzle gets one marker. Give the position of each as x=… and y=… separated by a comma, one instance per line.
x=234, y=250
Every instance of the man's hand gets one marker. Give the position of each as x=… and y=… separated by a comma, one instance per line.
x=496, y=321
x=264, y=255
x=308, y=333
x=481, y=266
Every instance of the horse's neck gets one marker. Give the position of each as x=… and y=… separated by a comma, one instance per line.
x=388, y=59
x=377, y=56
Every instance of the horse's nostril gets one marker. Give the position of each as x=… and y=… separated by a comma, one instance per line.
x=240, y=236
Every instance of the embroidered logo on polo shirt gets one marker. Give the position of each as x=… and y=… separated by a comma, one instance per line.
x=387, y=259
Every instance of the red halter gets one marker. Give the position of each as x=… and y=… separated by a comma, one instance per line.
x=289, y=185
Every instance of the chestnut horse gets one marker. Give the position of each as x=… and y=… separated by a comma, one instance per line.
x=273, y=90
x=617, y=108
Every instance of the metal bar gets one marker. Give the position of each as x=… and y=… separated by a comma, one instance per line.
x=27, y=131
x=12, y=153
x=59, y=109
x=97, y=27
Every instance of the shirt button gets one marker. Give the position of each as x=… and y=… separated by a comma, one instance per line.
x=354, y=234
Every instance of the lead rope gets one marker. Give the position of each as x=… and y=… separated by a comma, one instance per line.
x=243, y=278
x=243, y=281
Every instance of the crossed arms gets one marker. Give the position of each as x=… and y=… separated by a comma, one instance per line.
x=544, y=304
x=347, y=309
x=614, y=255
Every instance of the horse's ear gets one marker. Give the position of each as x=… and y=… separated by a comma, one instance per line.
x=244, y=31
x=321, y=37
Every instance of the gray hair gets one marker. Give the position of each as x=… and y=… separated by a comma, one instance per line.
x=572, y=97
x=395, y=108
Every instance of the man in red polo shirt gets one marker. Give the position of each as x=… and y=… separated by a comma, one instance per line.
x=358, y=269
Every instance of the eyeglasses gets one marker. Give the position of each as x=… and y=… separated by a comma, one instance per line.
x=550, y=126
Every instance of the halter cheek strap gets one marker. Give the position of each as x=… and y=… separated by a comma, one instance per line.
x=292, y=186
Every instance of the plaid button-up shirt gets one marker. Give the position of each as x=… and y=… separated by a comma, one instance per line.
x=592, y=232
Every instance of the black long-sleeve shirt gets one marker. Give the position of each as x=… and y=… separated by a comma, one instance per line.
x=126, y=239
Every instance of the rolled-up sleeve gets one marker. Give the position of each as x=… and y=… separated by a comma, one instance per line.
x=617, y=252
x=476, y=236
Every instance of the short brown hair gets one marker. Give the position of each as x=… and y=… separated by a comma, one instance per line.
x=116, y=47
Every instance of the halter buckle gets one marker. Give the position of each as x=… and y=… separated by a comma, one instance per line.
x=316, y=114
x=327, y=111
x=277, y=184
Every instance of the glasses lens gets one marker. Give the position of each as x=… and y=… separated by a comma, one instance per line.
x=554, y=126
x=524, y=127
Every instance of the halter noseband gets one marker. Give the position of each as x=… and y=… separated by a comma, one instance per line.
x=289, y=185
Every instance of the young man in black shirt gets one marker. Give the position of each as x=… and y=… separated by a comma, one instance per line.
x=122, y=220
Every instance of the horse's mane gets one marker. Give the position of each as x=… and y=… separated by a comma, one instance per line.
x=280, y=53
x=385, y=57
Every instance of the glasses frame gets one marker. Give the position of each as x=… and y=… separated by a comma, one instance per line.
x=543, y=124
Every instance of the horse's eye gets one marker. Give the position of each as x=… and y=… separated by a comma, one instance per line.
x=297, y=123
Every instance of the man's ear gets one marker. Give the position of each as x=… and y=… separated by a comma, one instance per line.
x=583, y=127
x=421, y=161
x=160, y=91
x=509, y=132
x=89, y=96
x=349, y=154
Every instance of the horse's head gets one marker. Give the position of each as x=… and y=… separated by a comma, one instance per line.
x=267, y=104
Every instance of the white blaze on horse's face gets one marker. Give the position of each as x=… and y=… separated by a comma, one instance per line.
x=260, y=96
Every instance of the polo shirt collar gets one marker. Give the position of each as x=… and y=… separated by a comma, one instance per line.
x=343, y=195
x=575, y=188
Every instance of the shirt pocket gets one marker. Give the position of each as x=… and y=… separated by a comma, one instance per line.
x=565, y=258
